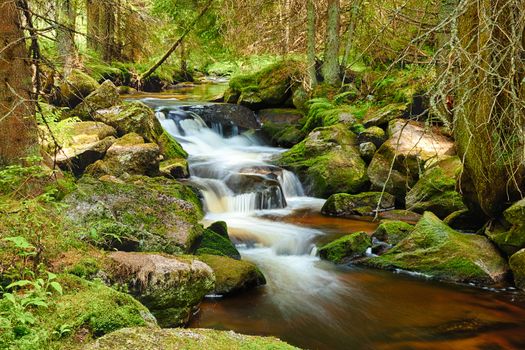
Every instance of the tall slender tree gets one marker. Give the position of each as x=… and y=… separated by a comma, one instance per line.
x=331, y=69
x=18, y=129
x=66, y=36
x=312, y=71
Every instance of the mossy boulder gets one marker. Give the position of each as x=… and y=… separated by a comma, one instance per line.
x=392, y=231
x=365, y=203
x=214, y=243
x=346, y=249
x=161, y=214
x=129, y=155
x=86, y=309
x=517, y=266
x=175, y=168
x=367, y=151
x=82, y=143
x=373, y=134
x=400, y=215
x=382, y=116
x=435, y=249
x=282, y=135
x=136, y=117
x=509, y=235
x=220, y=228
x=327, y=161
x=232, y=275
x=399, y=161
x=435, y=191
x=105, y=96
x=271, y=87
x=73, y=89
x=171, y=287
x=464, y=220
x=187, y=339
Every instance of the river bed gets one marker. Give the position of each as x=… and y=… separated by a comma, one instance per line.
x=308, y=302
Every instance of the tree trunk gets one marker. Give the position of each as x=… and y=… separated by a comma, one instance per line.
x=490, y=112
x=65, y=37
x=107, y=29
x=312, y=71
x=93, y=28
x=18, y=129
x=331, y=68
x=350, y=32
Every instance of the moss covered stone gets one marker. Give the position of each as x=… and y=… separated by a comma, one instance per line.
x=220, y=228
x=373, y=134
x=163, y=215
x=232, y=275
x=282, y=135
x=171, y=287
x=517, y=266
x=400, y=215
x=187, y=339
x=435, y=249
x=271, y=87
x=347, y=248
x=348, y=205
x=75, y=87
x=214, y=243
x=136, y=117
x=510, y=237
x=397, y=164
x=435, y=191
x=105, y=96
x=382, y=116
x=392, y=231
x=327, y=161
x=175, y=168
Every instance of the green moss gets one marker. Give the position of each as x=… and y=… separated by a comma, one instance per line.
x=169, y=147
x=211, y=241
x=347, y=205
x=435, y=249
x=220, y=228
x=86, y=268
x=517, y=265
x=232, y=275
x=346, y=248
x=187, y=339
x=392, y=231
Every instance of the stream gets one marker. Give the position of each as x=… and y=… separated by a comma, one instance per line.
x=308, y=302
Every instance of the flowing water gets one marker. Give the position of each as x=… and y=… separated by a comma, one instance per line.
x=308, y=302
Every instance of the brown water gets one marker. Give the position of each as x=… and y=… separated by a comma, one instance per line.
x=314, y=304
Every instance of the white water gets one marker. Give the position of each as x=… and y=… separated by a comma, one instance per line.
x=285, y=252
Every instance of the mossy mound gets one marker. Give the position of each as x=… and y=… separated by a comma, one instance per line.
x=171, y=287
x=74, y=88
x=373, y=134
x=435, y=249
x=347, y=248
x=105, y=96
x=392, y=231
x=175, y=168
x=365, y=203
x=327, y=161
x=232, y=275
x=282, y=135
x=84, y=311
x=187, y=339
x=162, y=214
x=136, y=117
x=382, y=116
x=435, y=191
x=271, y=87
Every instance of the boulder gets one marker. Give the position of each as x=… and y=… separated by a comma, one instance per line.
x=75, y=88
x=232, y=276
x=177, y=339
x=129, y=155
x=328, y=162
x=220, y=228
x=105, y=96
x=436, y=250
x=367, y=151
x=136, y=117
x=399, y=161
x=517, y=266
x=228, y=115
x=279, y=115
x=346, y=249
x=464, y=220
x=435, y=191
x=373, y=134
x=365, y=203
x=214, y=243
x=510, y=237
x=392, y=231
x=175, y=168
x=83, y=143
x=382, y=116
x=171, y=287
x=282, y=135
x=400, y=215
x=159, y=214
x=271, y=87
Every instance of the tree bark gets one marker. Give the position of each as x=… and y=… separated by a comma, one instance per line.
x=331, y=68
x=93, y=28
x=350, y=32
x=66, y=38
x=18, y=129
x=312, y=71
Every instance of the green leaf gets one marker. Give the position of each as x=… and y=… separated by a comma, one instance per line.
x=19, y=242
x=21, y=283
x=56, y=286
